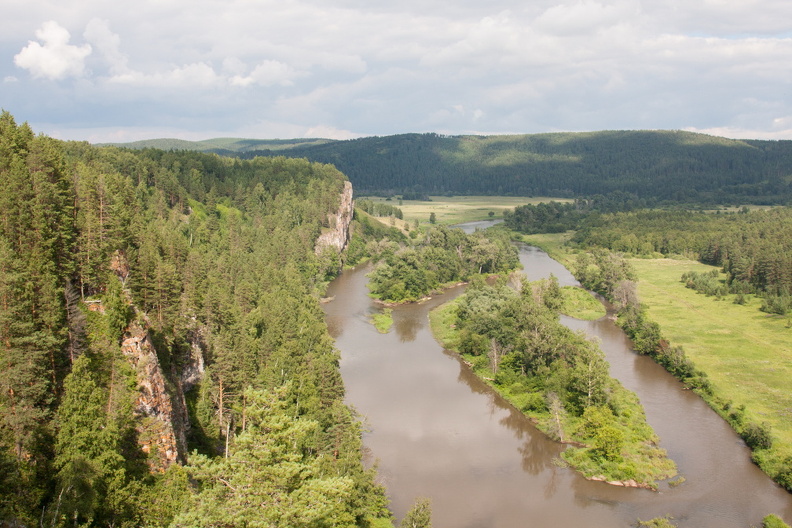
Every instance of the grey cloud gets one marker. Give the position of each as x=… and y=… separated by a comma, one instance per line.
x=349, y=67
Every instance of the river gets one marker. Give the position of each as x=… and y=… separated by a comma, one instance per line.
x=437, y=431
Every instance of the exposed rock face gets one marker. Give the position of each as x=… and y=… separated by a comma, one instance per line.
x=338, y=234
x=158, y=418
x=187, y=376
x=193, y=367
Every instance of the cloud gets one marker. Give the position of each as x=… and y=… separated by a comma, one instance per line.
x=56, y=59
x=107, y=44
x=582, y=17
x=743, y=133
x=268, y=73
x=357, y=67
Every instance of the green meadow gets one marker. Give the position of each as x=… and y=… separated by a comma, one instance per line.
x=746, y=353
x=580, y=304
x=459, y=209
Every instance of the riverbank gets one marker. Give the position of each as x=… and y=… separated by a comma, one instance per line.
x=611, y=443
x=746, y=354
x=436, y=430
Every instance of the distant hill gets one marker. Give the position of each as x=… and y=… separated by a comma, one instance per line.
x=228, y=146
x=654, y=165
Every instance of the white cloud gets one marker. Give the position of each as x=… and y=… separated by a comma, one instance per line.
x=582, y=17
x=56, y=59
x=189, y=76
x=743, y=133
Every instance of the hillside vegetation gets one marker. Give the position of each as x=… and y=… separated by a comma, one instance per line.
x=163, y=357
x=653, y=165
x=227, y=146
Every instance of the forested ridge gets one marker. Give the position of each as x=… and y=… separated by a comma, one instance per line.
x=672, y=166
x=201, y=273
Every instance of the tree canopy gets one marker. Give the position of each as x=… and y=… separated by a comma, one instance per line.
x=212, y=262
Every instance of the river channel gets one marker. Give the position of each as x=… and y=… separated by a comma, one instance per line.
x=435, y=430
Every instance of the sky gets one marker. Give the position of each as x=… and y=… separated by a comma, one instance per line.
x=106, y=71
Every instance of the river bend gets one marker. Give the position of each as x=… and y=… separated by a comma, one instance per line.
x=436, y=431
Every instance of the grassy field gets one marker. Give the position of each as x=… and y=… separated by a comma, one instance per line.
x=459, y=209
x=551, y=243
x=746, y=353
x=580, y=304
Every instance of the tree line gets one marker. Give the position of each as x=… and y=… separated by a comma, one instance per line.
x=442, y=256
x=379, y=208
x=558, y=217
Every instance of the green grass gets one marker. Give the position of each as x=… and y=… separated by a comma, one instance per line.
x=383, y=321
x=580, y=304
x=441, y=321
x=551, y=243
x=746, y=353
x=379, y=522
x=459, y=209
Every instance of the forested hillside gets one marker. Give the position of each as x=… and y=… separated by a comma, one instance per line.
x=226, y=146
x=653, y=165
x=163, y=357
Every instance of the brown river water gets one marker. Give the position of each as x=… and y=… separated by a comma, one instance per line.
x=435, y=430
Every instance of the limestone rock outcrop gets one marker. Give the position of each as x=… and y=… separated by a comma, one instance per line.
x=337, y=235
x=159, y=434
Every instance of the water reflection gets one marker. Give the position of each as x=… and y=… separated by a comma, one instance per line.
x=439, y=431
x=406, y=327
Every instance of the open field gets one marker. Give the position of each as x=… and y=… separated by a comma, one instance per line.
x=552, y=244
x=746, y=353
x=580, y=304
x=459, y=209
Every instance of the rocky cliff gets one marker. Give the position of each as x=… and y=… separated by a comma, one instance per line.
x=159, y=434
x=337, y=235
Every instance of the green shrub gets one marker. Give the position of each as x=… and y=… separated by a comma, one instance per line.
x=757, y=436
x=774, y=521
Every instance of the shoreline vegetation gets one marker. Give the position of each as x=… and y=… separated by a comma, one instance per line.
x=703, y=339
x=382, y=321
x=754, y=401
x=513, y=340
x=607, y=435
